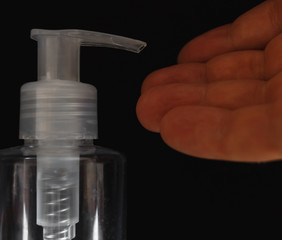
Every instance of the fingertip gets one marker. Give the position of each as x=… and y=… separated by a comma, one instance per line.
x=151, y=80
x=181, y=57
x=160, y=77
x=179, y=73
x=206, y=46
x=186, y=54
x=176, y=135
x=144, y=116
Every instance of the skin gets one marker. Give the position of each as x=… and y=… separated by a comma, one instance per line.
x=223, y=100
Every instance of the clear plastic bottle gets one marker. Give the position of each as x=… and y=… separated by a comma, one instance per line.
x=59, y=186
x=101, y=195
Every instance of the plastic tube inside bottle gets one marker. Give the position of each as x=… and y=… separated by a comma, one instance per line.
x=58, y=194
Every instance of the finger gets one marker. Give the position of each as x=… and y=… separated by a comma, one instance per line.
x=252, y=30
x=273, y=89
x=273, y=57
x=246, y=134
x=235, y=65
x=156, y=102
x=181, y=73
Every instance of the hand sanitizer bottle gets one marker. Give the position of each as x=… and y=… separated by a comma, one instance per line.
x=58, y=185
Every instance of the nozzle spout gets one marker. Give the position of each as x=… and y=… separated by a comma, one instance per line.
x=59, y=50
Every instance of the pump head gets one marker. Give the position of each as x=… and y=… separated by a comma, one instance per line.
x=56, y=109
x=59, y=50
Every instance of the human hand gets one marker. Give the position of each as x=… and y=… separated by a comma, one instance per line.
x=223, y=100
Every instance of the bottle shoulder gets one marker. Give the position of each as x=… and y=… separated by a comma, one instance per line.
x=84, y=151
x=16, y=151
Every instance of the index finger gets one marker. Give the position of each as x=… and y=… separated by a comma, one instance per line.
x=252, y=30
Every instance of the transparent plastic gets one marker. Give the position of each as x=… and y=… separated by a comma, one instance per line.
x=77, y=186
x=58, y=106
x=59, y=50
x=102, y=208
x=58, y=111
x=58, y=188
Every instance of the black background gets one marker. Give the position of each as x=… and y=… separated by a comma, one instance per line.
x=169, y=193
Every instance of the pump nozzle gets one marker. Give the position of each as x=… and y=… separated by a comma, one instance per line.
x=58, y=50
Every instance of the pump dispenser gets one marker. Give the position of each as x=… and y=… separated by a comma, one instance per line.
x=58, y=121
x=56, y=109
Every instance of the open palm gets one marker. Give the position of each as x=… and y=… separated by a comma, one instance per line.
x=223, y=100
